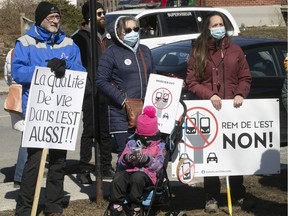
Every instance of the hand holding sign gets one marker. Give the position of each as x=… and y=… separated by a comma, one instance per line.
x=58, y=66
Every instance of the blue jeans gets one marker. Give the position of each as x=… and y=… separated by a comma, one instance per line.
x=21, y=160
x=17, y=123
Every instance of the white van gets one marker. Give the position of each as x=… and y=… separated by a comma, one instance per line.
x=166, y=25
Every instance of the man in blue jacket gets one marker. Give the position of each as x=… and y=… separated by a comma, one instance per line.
x=46, y=45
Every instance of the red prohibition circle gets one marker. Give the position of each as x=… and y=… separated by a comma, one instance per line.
x=155, y=101
x=199, y=132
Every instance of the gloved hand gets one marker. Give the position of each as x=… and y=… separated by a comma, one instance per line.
x=140, y=157
x=58, y=66
x=130, y=158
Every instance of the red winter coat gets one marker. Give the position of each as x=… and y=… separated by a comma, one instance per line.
x=236, y=79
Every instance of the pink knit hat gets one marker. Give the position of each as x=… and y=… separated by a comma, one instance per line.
x=147, y=122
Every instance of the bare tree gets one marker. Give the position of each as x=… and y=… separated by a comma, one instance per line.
x=10, y=12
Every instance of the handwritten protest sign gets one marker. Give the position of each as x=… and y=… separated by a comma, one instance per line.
x=232, y=141
x=54, y=109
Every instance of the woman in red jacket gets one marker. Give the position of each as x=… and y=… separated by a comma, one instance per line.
x=218, y=70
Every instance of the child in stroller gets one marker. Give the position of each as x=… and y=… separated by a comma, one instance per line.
x=138, y=164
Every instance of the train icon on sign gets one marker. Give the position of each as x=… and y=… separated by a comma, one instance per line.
x=203, y=123
x=164, y=96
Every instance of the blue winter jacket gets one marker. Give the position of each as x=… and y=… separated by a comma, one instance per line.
x=120, y=75
x=34, y=49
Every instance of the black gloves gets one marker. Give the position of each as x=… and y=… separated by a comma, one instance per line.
x=136, y=157
x=58, y=66
x=141, y=157
x=130, y=158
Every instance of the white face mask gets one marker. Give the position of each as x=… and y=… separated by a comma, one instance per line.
x=218, y=32
x=131, y=38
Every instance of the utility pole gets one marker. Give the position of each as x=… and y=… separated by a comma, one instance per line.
x=95, y=104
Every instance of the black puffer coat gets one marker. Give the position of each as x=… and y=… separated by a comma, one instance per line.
x=120, y=75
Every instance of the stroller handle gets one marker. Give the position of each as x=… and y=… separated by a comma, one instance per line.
x=176, y=135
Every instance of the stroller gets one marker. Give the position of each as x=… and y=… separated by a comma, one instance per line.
x=160, y=193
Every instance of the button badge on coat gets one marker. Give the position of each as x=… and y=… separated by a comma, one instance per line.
x=127, y=61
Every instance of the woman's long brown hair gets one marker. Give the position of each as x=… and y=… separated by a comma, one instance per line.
x=201, y=46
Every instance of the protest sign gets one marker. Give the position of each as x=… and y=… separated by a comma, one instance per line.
x=54, y=109
x=232, y=141
x=164, y=94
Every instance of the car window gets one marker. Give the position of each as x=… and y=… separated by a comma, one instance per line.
x=171, y=60
x=261, y=62
x=284, y=51
x=149, y=27
x=179, y=23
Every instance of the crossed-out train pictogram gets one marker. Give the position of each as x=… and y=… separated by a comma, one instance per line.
x=197, y=128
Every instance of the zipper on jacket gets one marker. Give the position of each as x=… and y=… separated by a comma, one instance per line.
x=223, y=74
x=140, y=75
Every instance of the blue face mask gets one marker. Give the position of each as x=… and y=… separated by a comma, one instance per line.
x=218, y=32
x=131, y=38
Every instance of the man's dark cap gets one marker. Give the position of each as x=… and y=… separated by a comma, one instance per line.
x=85, y=10
x=43, y=10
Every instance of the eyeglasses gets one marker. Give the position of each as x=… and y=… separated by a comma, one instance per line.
x=128, y=30
x=99, y=14
x=51, y=18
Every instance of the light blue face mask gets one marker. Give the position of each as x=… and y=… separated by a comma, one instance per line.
x=131, y=38
x=218, y=32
